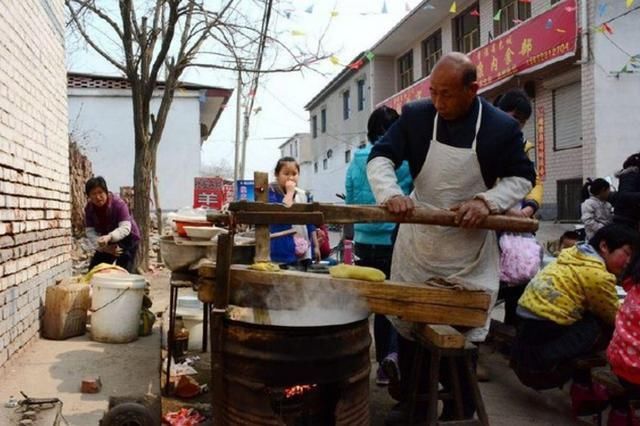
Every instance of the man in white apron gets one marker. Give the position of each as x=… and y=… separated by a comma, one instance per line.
x=465, y=155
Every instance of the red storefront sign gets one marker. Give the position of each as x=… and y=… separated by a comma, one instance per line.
x=212, y=192
x=540, y=160
x=547, y=38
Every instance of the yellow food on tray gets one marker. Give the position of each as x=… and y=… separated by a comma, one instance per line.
x=265, y=266
x=356, y=272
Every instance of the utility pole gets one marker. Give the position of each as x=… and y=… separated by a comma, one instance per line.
x=236, y=158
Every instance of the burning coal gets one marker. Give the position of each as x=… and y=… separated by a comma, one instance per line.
x=298, y=390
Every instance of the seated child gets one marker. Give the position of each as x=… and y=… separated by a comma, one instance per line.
x=568, y=308
x=624, y=349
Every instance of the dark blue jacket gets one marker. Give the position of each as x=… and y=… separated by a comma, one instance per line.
x=499, y=144
x=283, y=248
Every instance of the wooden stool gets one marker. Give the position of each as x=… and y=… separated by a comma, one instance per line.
x=445, y=344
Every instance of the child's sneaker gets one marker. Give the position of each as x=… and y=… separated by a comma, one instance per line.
x=381, y=378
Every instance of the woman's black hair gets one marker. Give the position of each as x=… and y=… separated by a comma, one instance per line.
x=615, y=236
x=379, y=122
x=515, y=101
x=95, y=182
x=594, y=187
x=632, y=161
x=280, y=164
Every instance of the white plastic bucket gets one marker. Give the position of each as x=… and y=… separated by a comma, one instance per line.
x=115, y=307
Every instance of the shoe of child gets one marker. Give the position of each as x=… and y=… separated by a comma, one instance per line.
x=381, y=377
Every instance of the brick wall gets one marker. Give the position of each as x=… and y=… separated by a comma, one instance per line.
x=34, y=170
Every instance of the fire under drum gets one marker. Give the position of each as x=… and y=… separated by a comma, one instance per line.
x=309, y=375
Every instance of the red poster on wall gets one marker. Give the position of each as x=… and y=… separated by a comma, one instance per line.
x=540, y=160
x=212, y=192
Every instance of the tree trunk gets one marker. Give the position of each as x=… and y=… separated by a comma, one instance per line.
x=156, y=202
x=142, y=170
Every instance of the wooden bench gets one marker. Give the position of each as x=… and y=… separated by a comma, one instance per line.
x=444, y=343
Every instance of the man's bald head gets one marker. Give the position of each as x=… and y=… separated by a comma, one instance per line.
x=458, y=63
x=453, y=85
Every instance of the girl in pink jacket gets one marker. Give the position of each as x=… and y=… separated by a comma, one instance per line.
x=624, y=349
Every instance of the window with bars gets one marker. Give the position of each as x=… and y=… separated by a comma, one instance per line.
x=314, y=126
x=360, y=95
x=323, y=120
x=569, y=198
x=511, y=12
x=467, y=30
x=346, y=105
x=405, y=70
x=431, y=52
x=567, y=117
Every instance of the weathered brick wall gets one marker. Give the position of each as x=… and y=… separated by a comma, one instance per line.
x=34, y=171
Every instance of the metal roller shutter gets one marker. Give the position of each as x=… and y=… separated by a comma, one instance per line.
x=567, y=117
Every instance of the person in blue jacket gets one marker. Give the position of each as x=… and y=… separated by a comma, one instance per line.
x=373, y=241
x=299, y=248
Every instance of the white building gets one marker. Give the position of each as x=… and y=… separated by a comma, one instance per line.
x=585, y=111
x=101, y=114
x=299, y=147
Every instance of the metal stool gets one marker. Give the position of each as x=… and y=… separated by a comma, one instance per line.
x=178, y=281
x=444, y=343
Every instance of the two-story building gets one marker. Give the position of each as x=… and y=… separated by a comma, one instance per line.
x=578, y=72
x=298, y=146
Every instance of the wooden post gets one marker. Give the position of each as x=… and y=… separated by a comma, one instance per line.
x=263, y=242
x=220, y=304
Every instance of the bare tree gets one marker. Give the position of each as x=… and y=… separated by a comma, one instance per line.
x=143, y=39
x=222, y=168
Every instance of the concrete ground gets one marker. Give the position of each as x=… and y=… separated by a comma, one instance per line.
x=55, y=369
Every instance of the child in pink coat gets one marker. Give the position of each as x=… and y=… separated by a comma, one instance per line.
x=624, y=349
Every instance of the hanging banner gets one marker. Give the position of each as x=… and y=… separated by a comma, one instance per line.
x=540, y=145
x=547, y=38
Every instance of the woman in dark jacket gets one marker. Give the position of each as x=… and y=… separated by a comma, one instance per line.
x=626, y=206
x=109, y=226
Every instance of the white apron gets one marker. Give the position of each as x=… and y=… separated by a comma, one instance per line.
x=449, y=176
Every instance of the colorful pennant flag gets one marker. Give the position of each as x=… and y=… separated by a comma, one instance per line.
x=334, y=13
x=602, y=9
x=384, y=6
x=334, y=60
x=369, y=56
x=356, y=65
x=606, y=28
x=498, y=15
x=474, y=12
x=629, y=3
x=453, y=8
x=297, y=33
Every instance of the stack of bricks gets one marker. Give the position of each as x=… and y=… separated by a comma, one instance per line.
x=79, y=172
x=35, y=226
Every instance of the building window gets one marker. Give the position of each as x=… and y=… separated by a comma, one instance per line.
x=405, y=70
x=346, y=105
x=467, y=31
x=431, y=52
x=314, y=126
x=347, y=156
x=315, y=167
x=360, y=95
x=323, y=120
x=295, y=149
x=325, y=164
x=567, y=117
x=511, y=11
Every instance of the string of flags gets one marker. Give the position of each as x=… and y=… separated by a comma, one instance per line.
x=355, y=65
